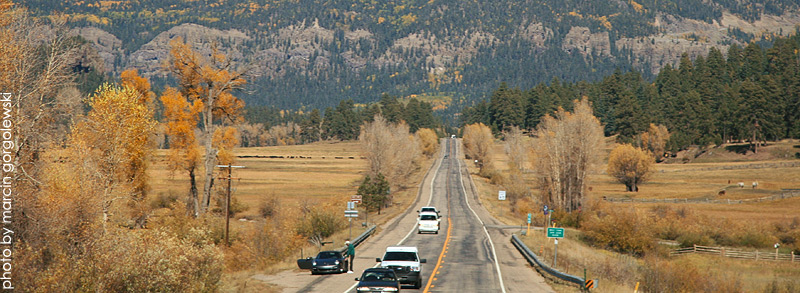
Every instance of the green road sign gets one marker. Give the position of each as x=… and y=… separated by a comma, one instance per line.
x=529, y=218
x=555, y=232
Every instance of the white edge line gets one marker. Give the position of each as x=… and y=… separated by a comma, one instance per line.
x=494, y=253
x=413, y=227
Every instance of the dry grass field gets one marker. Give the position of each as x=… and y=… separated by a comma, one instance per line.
x=322, y=173
x=327, y=171
x=699, y=178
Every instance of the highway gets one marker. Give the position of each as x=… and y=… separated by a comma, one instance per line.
x=464, y=257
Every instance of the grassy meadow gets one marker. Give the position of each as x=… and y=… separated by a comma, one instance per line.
x=696, y=178
x=319, y=175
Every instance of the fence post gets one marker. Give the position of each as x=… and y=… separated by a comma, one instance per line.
x=694, y=248
x=722, y=251
x=792, y=255
x=756, y=254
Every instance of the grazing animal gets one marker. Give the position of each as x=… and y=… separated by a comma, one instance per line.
x=721, y=193
x=755, y=184
x=741, y=184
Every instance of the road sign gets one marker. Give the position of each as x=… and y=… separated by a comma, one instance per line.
x=355, y=198
x=351, y=205
x=589, y=284
x=501, y=195
x=351, y=214
x=529, y=218
x=555, y=232
x=546, y=209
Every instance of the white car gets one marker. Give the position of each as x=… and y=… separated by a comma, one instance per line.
x=428, y=209
x=428, y=222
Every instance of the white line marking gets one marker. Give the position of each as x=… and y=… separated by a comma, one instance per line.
x=491, y=243
x=436, y=171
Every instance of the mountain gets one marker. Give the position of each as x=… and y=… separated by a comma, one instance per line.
x=314, y=53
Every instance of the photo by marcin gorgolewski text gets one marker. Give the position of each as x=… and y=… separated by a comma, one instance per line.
x=7, y=188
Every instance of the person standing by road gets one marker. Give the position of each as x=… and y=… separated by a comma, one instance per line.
x=351, y=252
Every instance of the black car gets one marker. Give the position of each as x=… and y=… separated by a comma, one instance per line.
x=329, y=262
x=378, y=280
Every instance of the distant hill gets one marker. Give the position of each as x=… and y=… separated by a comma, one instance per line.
x=314, y=53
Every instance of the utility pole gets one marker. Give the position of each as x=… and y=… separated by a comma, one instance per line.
x=228, y=200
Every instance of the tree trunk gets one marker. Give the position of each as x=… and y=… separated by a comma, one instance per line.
x=211, y=153
x=193, y=193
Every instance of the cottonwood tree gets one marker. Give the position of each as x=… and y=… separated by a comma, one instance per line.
x=517, y=147
x=630, y=166
x=35, y=69
x=478, y=140
x=210, y=82
x=114, y=141
x=390, y=150
x=184, y=154
x=429, y=141
x=655, y=140
x=567, y=146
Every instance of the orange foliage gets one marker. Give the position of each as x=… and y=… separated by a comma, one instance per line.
x=132, y=79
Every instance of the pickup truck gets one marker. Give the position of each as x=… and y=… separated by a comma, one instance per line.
x=405, y=262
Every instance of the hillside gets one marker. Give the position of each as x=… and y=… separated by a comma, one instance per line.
x=316, y=52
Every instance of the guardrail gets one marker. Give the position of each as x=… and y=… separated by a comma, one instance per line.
x=736, y=253
x=358, y=239
x=534, y=261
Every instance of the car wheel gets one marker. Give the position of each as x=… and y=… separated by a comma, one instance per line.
x=314, y=273
x=418, y=284
x=437, y=232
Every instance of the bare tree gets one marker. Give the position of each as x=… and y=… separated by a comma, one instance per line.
x=478, y=141
x=567, y=147
x=390, y=150
x=517, y=147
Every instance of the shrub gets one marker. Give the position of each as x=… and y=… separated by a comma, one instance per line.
x=623, y=231
x=677, y=276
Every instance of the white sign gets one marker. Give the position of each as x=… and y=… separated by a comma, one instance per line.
x=351, y=205
x=351, y=214
x=501, y=195
x=355, y=198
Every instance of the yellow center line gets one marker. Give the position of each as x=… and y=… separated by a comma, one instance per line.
x=441, y=255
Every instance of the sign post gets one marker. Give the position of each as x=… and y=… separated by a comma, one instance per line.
x=350, y=213
x=529, y=225
x=555, y=233
x=501, y=195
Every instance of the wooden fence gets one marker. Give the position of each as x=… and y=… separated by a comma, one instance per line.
x=737, y=253
x=789, y=193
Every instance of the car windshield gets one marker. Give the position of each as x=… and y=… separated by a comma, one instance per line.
x=328, y=254
x=378, y=276
x=400, y=255
x=427, y=217
x=429, y=210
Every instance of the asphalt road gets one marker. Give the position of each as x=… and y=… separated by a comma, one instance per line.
x=466, y=256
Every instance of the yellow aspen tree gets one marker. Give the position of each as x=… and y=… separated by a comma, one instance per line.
x=184, y=154
x=210, y=81
x=114, y=141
